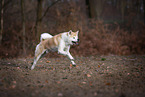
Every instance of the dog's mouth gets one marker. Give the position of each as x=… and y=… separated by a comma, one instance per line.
x=75, y=42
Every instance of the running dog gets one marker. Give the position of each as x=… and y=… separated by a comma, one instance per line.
x=60, y=42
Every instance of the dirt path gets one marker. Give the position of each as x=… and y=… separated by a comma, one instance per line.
x=100, y=76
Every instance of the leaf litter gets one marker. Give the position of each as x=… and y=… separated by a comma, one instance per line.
x=117, y=74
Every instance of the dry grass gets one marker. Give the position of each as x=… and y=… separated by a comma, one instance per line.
x=101, y=39
x=96, y=37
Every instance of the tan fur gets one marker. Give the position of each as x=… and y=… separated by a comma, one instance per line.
x=61, y=41
x=52, y=42
x=73, y=34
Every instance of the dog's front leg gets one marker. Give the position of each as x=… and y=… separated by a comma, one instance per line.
x=70, y=56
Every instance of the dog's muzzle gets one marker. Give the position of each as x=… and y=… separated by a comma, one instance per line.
x=76, y=42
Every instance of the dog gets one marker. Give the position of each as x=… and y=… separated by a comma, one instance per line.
x=60, y=42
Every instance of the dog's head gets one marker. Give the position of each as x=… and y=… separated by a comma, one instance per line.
x=73, y=37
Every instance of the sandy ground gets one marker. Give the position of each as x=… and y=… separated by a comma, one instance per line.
x=94, y=76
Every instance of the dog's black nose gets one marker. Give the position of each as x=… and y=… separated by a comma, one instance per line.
x=78, y=40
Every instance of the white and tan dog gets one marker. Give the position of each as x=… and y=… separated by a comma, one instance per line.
x=60, y=43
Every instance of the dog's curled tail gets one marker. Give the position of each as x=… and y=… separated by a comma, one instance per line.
x=45, y=36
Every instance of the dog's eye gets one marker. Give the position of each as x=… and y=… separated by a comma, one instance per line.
x=73, y=37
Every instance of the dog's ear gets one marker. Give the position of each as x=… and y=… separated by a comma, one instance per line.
x=70, y=32
x=77, y=32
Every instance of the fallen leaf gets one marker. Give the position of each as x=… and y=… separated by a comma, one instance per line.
x=90, y=83
x=116, y=90
x=88, y=75
x=53, y=68
x=58, y=82
x=13, y=86
x=39, y=65
x=14, y=82
x=48, y=61
x=77, y=66
x=46, y=81
x=108, y=84
x=120, y=59
x=79, y=85
x=60, y=94
x=18, y=67
x=83, y=82
x=128, y=73
x=98, y=66
x=70, y=65
x=95, y=94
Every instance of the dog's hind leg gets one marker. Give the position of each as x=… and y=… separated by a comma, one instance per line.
x=38, y=53
x=35, y=61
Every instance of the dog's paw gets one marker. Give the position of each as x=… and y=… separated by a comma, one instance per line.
x=74, y=65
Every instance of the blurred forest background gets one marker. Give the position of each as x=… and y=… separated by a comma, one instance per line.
x=106, y=26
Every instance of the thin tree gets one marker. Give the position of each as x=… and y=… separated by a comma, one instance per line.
x=40, y=16
x=123, y=6
x=144, y=9
x=23, y=26
x=1, y=19
x=96, y=8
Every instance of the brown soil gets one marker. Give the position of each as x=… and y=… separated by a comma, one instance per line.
x=100, y=76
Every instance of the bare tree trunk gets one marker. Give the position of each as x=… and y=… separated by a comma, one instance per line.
x=144, y=9
x=92, y=8
x=96, y=8
x=48, y=9
x=23, y=26
x=38, y=19
x=1, y=20
x=123, y=5
x=39, y=16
